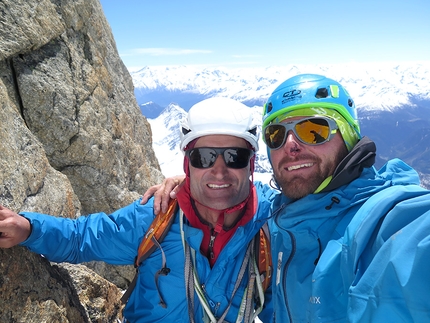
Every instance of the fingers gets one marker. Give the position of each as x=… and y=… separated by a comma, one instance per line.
x=160, y=193
x=149, y=193
x=163, y=196
x=14, y=228
x=163, y=192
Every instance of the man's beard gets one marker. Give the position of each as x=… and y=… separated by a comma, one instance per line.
x=297, y=187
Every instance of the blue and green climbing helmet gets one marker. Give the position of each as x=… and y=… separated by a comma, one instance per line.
x=314, y=95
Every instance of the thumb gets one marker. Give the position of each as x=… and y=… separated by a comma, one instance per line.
x=176, y=190
x=2, y=215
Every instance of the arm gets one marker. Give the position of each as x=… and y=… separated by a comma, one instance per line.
x=163, y=192
x=391, y=258
x=112, y=238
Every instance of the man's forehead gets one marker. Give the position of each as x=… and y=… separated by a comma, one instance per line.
x=220, y=141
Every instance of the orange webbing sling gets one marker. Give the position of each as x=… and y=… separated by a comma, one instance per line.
x=156, y=232
x=264, y=257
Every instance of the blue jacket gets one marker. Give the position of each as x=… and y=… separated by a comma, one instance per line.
x=356, y=253
x=115, y=238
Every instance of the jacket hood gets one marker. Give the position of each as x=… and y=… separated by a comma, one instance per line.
x=361, y=156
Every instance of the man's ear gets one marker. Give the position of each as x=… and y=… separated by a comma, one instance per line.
x=186, y=166
x=252, y=165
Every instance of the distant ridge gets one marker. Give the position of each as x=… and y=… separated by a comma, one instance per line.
x=393, y=103
x=374, y=86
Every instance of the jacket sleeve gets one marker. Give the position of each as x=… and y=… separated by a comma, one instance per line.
x=394, y=282
x=110, y=238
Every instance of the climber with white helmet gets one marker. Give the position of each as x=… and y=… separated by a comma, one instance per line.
x=209, y=259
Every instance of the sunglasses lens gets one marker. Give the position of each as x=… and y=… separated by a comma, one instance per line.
x=233, y=157
x=313, y=131
x=202, y=157
x=274, y=135
x=237, y=157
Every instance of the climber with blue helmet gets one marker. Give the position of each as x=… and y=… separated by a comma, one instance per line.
x=351, y=243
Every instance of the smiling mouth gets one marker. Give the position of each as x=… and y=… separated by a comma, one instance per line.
x=307, y=165
x=215, y=186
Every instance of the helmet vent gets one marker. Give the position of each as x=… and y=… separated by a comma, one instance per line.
x=185, y=131
x=253, y=131
x=350, y=102
x=322, y=93
x=269, y=107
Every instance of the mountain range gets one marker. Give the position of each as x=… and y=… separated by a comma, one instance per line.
x=393, y=102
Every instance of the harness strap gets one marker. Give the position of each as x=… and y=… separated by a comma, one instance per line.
x=193, y=284
x=239, y=279
x=130, y=288
x=260, y=289
x=163, y=271
x=250, y=292
x=245, y=313
x=189, y=288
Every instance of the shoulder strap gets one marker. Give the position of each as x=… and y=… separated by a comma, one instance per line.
x=156, y=232
x=158, y=229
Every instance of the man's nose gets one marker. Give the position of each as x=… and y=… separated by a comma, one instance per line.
x=292, y=144
x=219, y=165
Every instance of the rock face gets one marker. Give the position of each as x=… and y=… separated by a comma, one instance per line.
x=72, y=141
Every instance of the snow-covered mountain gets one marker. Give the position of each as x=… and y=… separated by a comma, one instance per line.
x=378, y=86
x=165, y=139
x=393, y=103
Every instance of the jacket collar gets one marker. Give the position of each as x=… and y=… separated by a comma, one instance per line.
x=361, y=156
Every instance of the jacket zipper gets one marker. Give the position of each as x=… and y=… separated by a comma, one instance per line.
x=214, y=232
x=211, y=244
x=284, y=276
x=215, y=306
x=288, y=262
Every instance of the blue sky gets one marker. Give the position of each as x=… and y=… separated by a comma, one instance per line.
x=257, y=33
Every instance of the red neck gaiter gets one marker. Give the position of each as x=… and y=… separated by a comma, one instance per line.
x=215, y=238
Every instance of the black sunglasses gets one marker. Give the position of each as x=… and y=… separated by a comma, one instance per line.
x=205, y=157
x=310, y=131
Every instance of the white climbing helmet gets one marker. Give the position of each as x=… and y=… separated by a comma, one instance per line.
x=219, y=116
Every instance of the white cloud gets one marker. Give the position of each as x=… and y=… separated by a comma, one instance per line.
x=246, y=56
x=165, y=51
